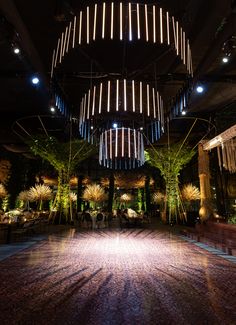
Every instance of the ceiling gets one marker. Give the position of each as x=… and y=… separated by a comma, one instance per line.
x=36, y=25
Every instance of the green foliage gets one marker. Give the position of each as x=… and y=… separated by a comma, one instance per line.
x=232, y=220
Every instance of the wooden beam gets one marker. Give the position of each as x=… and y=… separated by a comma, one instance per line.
x=221, y=138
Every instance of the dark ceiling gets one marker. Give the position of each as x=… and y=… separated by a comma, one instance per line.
x=36, y=25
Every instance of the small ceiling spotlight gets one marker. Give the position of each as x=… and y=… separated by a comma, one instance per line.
x=16, y=50
x=91, y=127
x=141, y=128
x=200, y=89
x=35, y=80
x=115, y=125
x=225, y=59
x=52, y=109
x=183, y=112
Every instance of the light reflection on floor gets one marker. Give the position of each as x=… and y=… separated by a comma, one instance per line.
x=132, y=276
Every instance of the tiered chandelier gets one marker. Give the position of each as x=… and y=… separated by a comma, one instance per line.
x=122, y=114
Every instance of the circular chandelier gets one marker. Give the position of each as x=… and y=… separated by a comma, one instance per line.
x=123, y=22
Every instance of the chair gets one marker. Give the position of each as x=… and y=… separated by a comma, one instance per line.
x=88, y=219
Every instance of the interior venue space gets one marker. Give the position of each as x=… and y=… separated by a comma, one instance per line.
x=118, y=162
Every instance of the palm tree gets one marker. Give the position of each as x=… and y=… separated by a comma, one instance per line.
x=94, y=193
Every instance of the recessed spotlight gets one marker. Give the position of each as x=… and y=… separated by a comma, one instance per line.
x=225, y=59
x=200, y=89
x=35, y=80
x=183, y=112
x=16, y=50
x=91, y=127
x=115, y=125
x=141, y=128
x=52, y=109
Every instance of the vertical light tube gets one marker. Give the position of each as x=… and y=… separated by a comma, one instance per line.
x=61, y=49
x=95, y=22
x=85, y=101
x=116, y=147
x=138, y=20
x=174, y=32
x=68, y=39
x=81, y=113
x=181, y=43
x=154, y=23
x=94, y=96
x=158, y=106
x=138, y=147
x=135, y=144
x=100, y=99
x=112, y=20
x=129, y=151
x=103, y=19
x=106, y=145
x=141, y=97
x=110, y=143
x=65, y=41
x=121, y=21
x=74, y=31
x=122, y=142
x=87, y=25
x=100, y=148
x=53, y=62
x=108, y=95
x=57, y=51
x=130, y=22
x=146, y=22
x=148, y=101
x=154, y=102
x=161, y=26
x=88, y=105
x=117, y=95
x=133, y=95
x=168, y=27
x=80, y=26
x=184, y=49
x=125, y=96
x=177, y=37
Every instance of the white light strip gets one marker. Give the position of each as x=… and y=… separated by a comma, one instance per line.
x=148, y=102
x=106, y=144
x=110, y=143
x=146, y=22
x=112, y=19
x=117, y=95
x=177, y=37
x=62, y=41
x=85, y=101
x=88, y=105
x=154, y=102
x=125, y=96
x=158, y=106
x=138, y=20
x=161, y=26
x=103, y=18
x=121, y=21
x=122, y=142
x=87, y=25
x=58, y=46
x=133, y=95
x=174, y=32
x=65, y=41
x=74, y=30
x=138, y=155
x=95, y=22
x=116, y=148
x=135, y=148
x=53, y=62
x=80, y=26
x=68, y=39
x=154, y=23
x=168, y=27
x=108, y=95
x=184, y=49
x=181, y=43
x=81, y=113
x=141, y=97
x=100, y=148
x=94, y=94
x=130, y=22
x=100, y=99
x=129, y=153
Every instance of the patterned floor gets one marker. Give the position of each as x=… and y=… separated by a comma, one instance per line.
x=132, y=276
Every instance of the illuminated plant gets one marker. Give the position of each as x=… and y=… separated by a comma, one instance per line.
x=190, y=193
x=94, y=193
x=158, y=197
x=40, y=193
x=3, y=191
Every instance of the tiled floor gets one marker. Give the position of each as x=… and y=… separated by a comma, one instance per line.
x=129, y=276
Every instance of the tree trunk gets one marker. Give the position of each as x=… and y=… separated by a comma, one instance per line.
x=79, y=193
x=111, y=192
